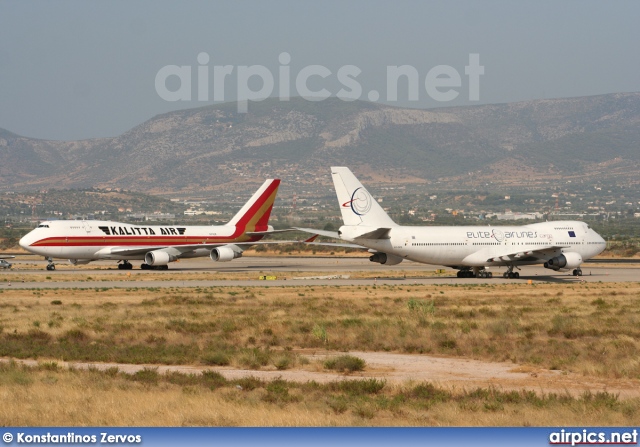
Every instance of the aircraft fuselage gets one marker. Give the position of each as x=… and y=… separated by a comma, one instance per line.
x=478, y=246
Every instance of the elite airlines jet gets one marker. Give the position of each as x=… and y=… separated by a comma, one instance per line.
x=84, y=241
x=559, y=245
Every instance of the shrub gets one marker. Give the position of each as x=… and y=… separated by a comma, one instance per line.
x=255, y=358
x=338, y=404
x=358, y=387
x=345, y=363
x=75, y=336
x=430, y=393
x=216, y=358
x=148, y=376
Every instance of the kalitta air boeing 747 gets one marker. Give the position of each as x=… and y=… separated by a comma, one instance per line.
x=83, y=241
x=559, y=245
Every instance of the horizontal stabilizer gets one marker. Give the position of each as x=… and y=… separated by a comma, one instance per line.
x=380, y=233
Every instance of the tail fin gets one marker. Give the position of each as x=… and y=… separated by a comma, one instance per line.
x=254, y=215
x=358, y=207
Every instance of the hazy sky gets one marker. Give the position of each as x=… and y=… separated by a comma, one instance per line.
x=84, y=69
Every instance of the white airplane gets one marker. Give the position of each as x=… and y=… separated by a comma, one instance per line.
x=559, y=245
x=88, y=240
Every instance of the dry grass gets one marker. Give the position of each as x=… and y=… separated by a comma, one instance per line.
x=590, y=329
x=51, y=396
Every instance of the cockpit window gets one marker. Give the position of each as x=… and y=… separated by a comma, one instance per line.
x=43, y=226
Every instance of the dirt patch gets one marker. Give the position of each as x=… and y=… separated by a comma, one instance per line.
x=446, y=372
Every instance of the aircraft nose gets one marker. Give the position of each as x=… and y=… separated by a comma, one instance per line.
x=25, y=241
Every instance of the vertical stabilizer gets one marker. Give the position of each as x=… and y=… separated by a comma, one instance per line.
x=254, y=215
x=357, y=206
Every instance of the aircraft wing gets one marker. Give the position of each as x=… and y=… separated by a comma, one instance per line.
x=378, y=233
x=538, y=253
x=336, y=244
x=179, y=250
x=266, y=233
x=311, y=241
x=333, y=234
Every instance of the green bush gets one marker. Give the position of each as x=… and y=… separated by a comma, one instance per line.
x=345, y=363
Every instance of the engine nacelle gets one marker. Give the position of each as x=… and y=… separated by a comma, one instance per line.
x=384, y=258
x=224, y=254
x=566, y=261
x=158, y=257
x=79, y=261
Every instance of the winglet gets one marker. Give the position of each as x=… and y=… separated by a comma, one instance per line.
x=312, y=238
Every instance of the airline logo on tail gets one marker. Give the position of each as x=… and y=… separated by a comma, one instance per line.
x=360, y=202
x=256, y=217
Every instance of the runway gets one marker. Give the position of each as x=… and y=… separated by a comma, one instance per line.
x=288, y=270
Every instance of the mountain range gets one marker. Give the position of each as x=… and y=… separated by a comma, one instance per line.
x=204, y=148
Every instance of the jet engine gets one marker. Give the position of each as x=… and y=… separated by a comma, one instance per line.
x=79, y=261
x=224, y=254
x=566, y=261
x=158, y=257
x=384, y=258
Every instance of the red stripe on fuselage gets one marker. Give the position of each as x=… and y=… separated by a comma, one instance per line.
x=137, y=241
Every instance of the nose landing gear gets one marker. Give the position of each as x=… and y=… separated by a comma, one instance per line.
x=50, y=265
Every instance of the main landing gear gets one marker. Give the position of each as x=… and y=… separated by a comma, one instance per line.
x=510, y=273
x=154, y=267
x=577, y=272
x=50, y=265
x=125, y=265
x=475, y=273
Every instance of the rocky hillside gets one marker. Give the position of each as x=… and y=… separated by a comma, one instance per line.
x=199, y=149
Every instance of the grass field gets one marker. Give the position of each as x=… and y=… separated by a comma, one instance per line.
x=587, y=329
x=49, y=395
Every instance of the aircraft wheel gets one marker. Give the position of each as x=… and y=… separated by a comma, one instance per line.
x=144, y=266
x=505, y=275
x=459, y=274
x=489, y=274
x=510, y=275
x=516, y=275
x=51, y=267
x=579, y=272
x=164, y=267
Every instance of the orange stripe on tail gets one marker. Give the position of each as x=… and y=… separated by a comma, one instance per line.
x=254, y=215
